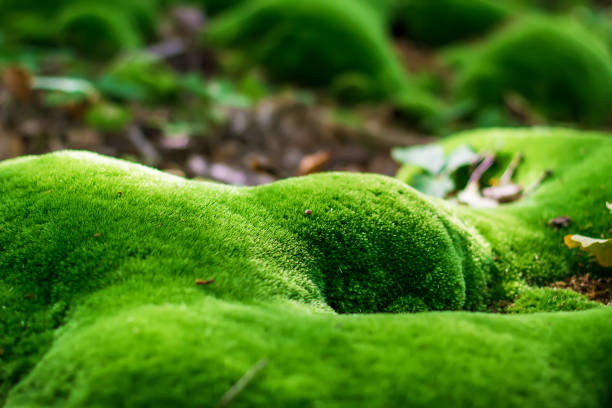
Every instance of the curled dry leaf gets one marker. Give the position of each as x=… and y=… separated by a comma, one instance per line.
x=313, y=163
x=19, y=83
x=505, y=193
x=204, y=281
x=600, y=248
x=560, y=222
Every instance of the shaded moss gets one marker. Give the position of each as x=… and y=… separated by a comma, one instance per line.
x=447, y=21
x=558, y=66
x=320, y=43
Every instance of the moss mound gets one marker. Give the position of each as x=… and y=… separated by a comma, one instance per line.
x=446, y=21
x=320, y=43
x=525, y=246
x=96, y=29
x=519, y=60
x=99, y=304
x=578, y=188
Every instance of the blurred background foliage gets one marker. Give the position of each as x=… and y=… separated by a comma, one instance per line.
x=247, y=91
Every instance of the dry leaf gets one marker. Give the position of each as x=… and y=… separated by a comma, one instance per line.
x=313, y=163
x=600, y=248
x=19, y=83
x=560, y=222
x=505, y=193
x=471, y=196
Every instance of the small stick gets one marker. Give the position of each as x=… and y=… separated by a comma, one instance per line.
x=242, y=383
x=482, y=167
x=533, y=186
x=509, y=172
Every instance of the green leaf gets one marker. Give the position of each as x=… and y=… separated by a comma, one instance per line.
x=461, y=156
x=436, y=186
x=428, y=157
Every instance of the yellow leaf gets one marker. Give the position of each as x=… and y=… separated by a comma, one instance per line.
x=600, y=248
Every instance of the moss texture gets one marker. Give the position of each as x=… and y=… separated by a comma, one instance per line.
x=99, y=306
x=532, y=300
x=518, y=60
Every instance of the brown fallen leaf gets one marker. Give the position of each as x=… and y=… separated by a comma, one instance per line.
x=19, y=83
x=313, y=163
x=600, y=248
x=29, y=296
x=11, y=144
x=562, y=221
x=204, y=281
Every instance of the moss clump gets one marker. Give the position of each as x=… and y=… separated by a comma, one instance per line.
x=99, y=258
x=519, y=234
x=442, y=22
x=141, y=345
x=532, y=300
x=320, y=43
x=519, y=60
x=97, y=29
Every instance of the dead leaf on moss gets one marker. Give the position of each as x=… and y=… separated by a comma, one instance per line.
x=204, y=281
x=560, y=222
x=506, y=193
x=600, y=248
x=313, y=163
x=19, y=83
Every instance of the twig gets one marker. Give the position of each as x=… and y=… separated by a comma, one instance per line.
x=509, y=172
x=482, y=168
x=242, y=383
x=533, y=186
x=144, y=147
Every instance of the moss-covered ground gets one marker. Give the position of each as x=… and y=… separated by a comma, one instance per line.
x=99, y=304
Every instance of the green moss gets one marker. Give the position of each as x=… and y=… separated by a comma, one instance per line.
x=532, y=300
x=446, y=21
x=320, y=43
x=519, y=60
x=579, y=187
x=99, y=257
x=158, y=351
x=96, y=29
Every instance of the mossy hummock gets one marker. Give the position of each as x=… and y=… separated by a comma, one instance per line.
x=520, y=59
x=99, y=304
x=340, y=44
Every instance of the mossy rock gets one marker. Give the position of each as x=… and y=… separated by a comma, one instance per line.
x=520, y=60
x=99, y=305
